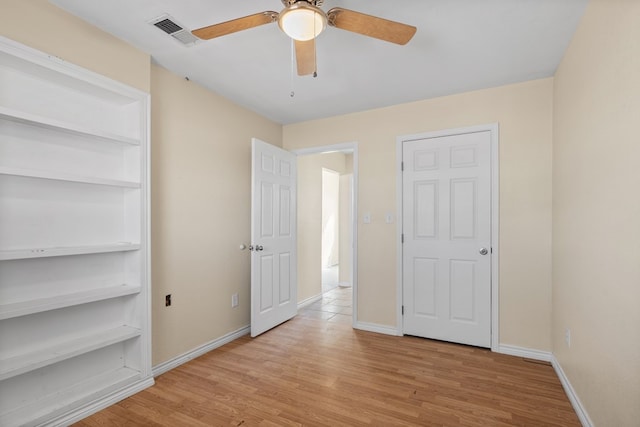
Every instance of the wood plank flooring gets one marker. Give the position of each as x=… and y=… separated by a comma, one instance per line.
x=315, y=372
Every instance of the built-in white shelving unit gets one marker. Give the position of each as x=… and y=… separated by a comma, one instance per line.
x=74, y=240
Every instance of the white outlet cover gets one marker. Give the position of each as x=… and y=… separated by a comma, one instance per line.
x=366, y=218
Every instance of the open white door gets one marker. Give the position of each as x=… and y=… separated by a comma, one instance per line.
x=273, y=237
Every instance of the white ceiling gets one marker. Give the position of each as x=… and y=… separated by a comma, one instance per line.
x=460, y=45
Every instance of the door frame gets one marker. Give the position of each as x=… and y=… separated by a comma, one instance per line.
x=493, y=128
x=353, y=148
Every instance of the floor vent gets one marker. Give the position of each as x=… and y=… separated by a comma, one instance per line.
x=169, y=25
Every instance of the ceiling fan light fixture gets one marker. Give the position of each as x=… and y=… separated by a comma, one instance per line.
x=302, y=21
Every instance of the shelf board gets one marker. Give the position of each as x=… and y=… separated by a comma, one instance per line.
x=57, y=125
x=61, y=401
x=9, y=310
x=6, y=255
x=22, y=363
x=63, y=176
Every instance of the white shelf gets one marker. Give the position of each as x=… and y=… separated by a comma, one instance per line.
x=23, y=363
x=8, y=255
x=62, y=401
x=62, y=176
x=60, y=126
x=78, y=144
x=9, y=310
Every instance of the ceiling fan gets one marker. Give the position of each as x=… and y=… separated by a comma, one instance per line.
x=303, y=21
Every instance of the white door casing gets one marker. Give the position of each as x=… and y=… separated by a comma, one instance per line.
x=446, y=208
x=273, y=237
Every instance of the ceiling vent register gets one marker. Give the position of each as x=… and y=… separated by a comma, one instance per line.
x=169, y=25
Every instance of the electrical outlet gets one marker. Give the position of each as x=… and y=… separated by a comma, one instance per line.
x=234, y=300
x=167, y=300
x=567, y=336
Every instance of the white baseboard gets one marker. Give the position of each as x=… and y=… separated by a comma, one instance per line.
x=527, y=353
x=547, y=356
x=100, y=404
x=581, y=412
x=374, y=327
x=199, y=351
x=305, y=302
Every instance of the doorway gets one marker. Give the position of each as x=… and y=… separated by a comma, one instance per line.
x=337, y=220
x=327, y=282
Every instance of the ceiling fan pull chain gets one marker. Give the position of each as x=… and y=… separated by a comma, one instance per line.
x=293, y=64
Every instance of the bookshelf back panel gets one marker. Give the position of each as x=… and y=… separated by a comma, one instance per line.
x=40, y=213
x=22, y=335
x=30, y=147
x=36, y=90
x=25, y=279
x=45, y=381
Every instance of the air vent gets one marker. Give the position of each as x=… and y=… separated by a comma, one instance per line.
x=169, y=25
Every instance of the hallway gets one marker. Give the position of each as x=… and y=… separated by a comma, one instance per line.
x=335, y=306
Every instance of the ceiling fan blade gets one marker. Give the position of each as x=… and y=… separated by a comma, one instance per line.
x=372, y=26
x=235, y=25
x=306, y=57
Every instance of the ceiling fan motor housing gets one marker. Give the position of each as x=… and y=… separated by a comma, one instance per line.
x=316, y=3
x=302, y=20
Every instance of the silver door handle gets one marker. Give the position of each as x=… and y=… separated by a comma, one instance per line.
x=259, y=248
x=483, y=251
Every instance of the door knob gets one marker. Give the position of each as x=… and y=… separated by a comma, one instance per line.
x=483, y=251
x=259, y=248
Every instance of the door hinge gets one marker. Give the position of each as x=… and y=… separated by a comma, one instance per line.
x=402, y=166
x=402, y=238
x=491, y=250
x=403, y=310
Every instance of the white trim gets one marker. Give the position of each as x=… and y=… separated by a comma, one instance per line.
x=100, y=404
x=374, y=327
x=307, y=302
x=345, y=146
x=199, y=351
x=495, y=235
x=493, y=128
x=527, y=353
x=351, y=147
x=581, y=412
x=72, y=70
x=399, y=230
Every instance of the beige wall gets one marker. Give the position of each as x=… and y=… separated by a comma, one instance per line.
x=330, y=218
x=596, y=212
x=201, y=198
x=310, y=219
x=524, y=113
x=346, y=225
x=42, y=26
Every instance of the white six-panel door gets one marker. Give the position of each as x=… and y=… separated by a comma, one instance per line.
x=446, y=203
x=273, y=237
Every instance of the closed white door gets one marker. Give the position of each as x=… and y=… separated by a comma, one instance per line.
x=273, y=237
x=446, y=185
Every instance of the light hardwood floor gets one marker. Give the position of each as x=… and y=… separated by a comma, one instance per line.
x=312, y=371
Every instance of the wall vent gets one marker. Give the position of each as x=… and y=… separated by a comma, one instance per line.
x=169, y=25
